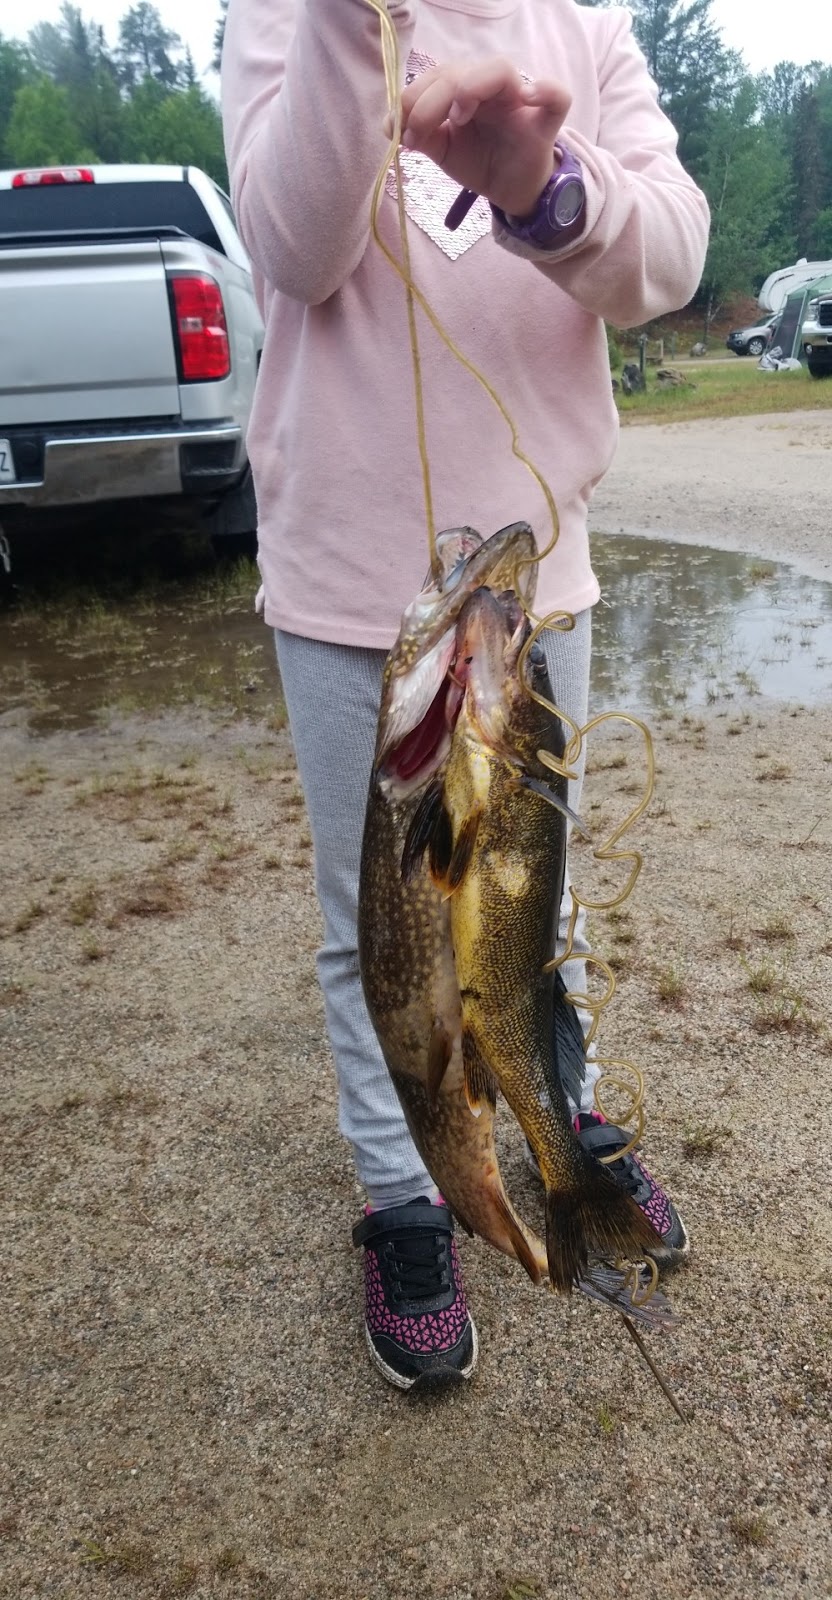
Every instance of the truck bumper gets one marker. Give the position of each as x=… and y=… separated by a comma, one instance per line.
x=70, y=467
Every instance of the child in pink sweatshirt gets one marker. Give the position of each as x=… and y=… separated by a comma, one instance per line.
x=544, y=110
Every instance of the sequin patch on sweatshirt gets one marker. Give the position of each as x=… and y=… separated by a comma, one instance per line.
x=429, y=193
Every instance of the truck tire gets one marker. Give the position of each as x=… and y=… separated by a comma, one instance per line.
x=236, y=515
x=819, y=370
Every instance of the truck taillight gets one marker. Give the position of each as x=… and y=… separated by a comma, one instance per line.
x=42, y=177
x=200, y=329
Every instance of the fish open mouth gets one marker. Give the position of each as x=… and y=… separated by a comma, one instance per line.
x=427, y=682
x=426, y=699
x=416, y=757
x=417, y=749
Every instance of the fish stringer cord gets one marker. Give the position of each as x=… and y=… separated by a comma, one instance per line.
x=414, y=296
x=608, y=853
x=392, y=75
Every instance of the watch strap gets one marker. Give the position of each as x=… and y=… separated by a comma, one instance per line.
x=547, y=228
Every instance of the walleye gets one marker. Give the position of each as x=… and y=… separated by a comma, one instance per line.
x=404, y=939
x=497, y=849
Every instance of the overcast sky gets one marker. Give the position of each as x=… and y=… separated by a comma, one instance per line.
x=756, y=27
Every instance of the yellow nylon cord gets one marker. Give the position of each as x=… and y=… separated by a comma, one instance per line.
x=392, y=75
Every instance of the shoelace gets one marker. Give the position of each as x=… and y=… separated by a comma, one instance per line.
x=628, y=1172
x=418, y=1265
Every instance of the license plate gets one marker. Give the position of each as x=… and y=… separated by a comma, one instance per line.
x=7, y=472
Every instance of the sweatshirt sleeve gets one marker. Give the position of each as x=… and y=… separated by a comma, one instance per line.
x=304, y=102
x=642, y=251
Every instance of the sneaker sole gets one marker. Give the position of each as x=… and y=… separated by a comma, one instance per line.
x=435, y=1377
x=673, y=1255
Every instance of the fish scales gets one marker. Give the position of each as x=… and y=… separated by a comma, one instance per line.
x=504, y=877
x=405, y=952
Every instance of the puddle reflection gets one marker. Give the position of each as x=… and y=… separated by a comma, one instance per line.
x=678, y=626
x=682, y=625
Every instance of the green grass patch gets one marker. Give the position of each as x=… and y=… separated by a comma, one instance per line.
x=728, y=389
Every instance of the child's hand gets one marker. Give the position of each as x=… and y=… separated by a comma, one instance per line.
x=487, y=128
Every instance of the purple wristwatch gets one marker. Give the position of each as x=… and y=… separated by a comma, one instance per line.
x=558, y=217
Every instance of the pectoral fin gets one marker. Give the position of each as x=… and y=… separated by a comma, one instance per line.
x=480, y=1083
x=430, y=830
x=461, y=857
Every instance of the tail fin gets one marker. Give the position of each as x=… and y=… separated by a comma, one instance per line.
x=614, y=1288
x=598, y=1219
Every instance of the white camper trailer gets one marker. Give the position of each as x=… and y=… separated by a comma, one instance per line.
x=780, y=284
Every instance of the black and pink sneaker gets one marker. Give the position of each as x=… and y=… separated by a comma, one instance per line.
x=417, y=1322
x=602, y=1138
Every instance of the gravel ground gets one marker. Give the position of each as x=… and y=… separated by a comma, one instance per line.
x=186, y=1403
x=761, y=484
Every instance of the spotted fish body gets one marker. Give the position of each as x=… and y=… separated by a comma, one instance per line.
x=505, y=846
x=405, y=953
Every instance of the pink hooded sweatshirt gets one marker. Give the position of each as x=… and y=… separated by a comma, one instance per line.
x=332, y=438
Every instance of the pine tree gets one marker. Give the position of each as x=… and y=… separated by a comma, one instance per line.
x=219, y=35
x=146, y=48
x=16, y=69
x=809, y=174
x=692, y=69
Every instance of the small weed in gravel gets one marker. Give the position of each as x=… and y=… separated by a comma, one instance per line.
x=28, y=917
x=184, y=1579
x=522, y=1589
x=784, y=1013
x=762, y=979
x=670, y=985
x=776, y=774
x=607, y=1420
x=82, y=908
x=119, y=1558
x=703, y=1139
x=155, y=895
x=733, y=940
x=227, y=1561
x=750, y=1528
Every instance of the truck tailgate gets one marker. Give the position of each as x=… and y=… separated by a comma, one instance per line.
x=85, y=334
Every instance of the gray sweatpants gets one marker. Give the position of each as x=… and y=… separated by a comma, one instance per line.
x=332, y=696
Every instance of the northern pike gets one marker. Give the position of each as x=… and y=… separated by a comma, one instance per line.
x=404, y=938
x=493, y=824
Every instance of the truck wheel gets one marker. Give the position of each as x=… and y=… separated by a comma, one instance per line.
x=236, y=515
x=818, y=371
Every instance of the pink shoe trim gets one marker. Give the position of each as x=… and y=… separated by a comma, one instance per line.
x=430, y=1334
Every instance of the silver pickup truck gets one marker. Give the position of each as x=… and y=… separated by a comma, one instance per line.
x=129, y=342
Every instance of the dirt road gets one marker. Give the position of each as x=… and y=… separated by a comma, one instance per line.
x=761, y=484
x=186, y=1403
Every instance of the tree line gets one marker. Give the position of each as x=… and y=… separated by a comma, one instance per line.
x=65, y=97
x=760, y=145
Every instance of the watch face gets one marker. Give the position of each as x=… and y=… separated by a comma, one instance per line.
x=568, y=202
